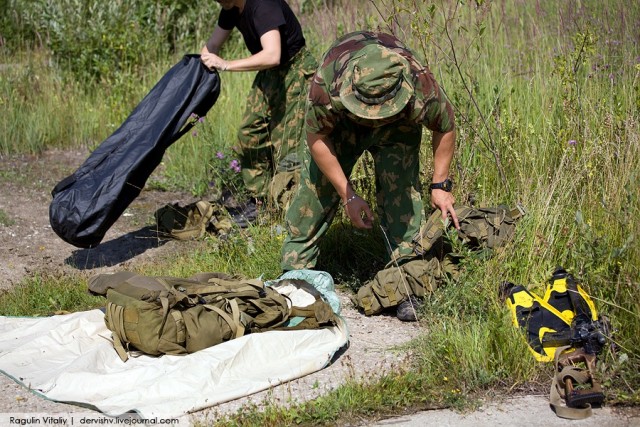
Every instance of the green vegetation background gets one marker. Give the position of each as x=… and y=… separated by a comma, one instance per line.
x=547, y=97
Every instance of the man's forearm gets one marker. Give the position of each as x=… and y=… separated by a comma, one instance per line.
x=443, y=149
x=325, y=157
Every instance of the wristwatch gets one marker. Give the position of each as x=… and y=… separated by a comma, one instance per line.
x=446, y=185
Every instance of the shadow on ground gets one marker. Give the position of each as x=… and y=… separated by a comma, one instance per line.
x=116, y=251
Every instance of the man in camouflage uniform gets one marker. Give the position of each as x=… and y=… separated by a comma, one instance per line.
x=273, y=121
x=369, y=93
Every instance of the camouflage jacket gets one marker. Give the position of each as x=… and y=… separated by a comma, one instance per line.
x=429, y=106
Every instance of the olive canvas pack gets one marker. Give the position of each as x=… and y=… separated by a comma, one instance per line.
x=177, y=316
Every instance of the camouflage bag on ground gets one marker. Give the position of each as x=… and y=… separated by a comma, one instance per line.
x=434, y=262
x=169, y=315
x=487, y=227
x=191, y=221
x=395, y=284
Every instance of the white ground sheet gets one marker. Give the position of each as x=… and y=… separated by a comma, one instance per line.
x=69, y=358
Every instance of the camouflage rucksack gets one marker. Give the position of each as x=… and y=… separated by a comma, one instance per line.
x=169, y=315
x=394, y=284
x=186, y=222
x=434, y=262
x=485, y=227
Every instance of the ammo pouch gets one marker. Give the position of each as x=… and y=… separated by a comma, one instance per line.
x=168, y=315
x=395, y=284
x=479, y=228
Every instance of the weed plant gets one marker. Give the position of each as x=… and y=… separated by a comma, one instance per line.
x=547, y=98
x=5, y=219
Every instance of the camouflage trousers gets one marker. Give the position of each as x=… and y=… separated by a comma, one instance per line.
x=395, y=151
x=272, y=126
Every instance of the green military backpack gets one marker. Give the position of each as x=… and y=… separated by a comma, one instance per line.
x=484, y=227
x=192, y=221
x=433, y=262
x=169, y=315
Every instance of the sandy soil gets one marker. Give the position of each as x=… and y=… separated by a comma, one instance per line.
x=28, y=246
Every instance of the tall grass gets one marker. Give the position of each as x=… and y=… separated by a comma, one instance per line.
x=548, y=111
x=547, y=98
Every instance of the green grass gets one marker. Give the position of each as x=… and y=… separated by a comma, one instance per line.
x=47, y=295
x=547, y=98
x=252, y=252
x=5, y=219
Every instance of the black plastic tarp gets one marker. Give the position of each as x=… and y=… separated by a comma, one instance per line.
x=88, y=202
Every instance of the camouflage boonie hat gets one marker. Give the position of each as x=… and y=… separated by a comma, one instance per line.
x=377, y=83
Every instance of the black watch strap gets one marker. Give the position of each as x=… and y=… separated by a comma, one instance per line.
x=446, y=185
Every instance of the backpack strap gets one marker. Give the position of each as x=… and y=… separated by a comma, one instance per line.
x=181, y=332
x=562, y=385
x=234, y=320
x=115, y=318
x=219, y=288
x=315, y=315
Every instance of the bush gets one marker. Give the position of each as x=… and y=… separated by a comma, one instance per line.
x=99, y=40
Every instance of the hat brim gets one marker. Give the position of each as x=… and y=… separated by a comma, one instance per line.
x=383, y=110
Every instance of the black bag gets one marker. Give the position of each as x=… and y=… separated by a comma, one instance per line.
x=88, y=202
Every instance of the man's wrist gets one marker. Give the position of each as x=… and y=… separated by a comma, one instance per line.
x=446, y=185
x=350, y=199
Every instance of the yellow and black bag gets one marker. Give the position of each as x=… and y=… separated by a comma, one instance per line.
x=564, y=316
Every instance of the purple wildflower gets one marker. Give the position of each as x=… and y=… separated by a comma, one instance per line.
x=194, y=133
x=220, y=155
x=234, y=165
x=572, y=142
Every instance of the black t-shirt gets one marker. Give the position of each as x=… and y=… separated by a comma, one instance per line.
x=260, y=17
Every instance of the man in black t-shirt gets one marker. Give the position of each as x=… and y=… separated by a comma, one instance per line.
x=271, y=129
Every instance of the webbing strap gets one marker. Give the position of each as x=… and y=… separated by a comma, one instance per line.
x=557, y=395
x=115, y=316
x=223, y=291
x=237, y=328
x=165, y=313
x=235, y=310
x=181, y=333
x=391, y=294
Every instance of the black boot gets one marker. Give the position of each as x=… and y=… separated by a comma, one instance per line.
x=407, y=310
x=246, y=213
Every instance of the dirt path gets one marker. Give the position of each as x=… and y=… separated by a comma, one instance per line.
x=28, y=246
